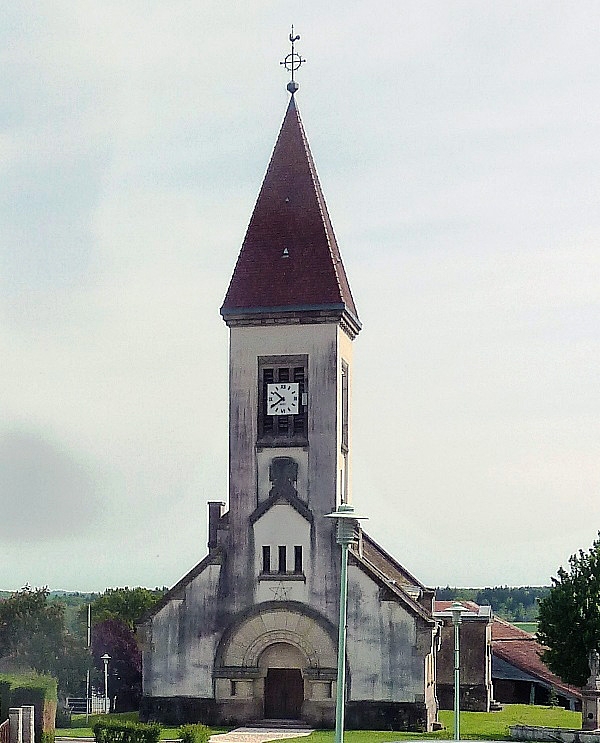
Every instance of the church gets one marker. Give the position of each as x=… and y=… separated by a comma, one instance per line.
x=250, y=632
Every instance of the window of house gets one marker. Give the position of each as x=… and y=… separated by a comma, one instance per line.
x=266, y=559
x=298, y=559
x=282, y=566
x=282, y=399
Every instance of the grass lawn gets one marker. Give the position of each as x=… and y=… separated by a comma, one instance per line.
x=482, y=725
x=79, y=729
x=530, y=627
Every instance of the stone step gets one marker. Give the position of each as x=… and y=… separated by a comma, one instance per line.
x=279, y=724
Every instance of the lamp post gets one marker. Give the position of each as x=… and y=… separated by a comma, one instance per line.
x=346, y=534
x=456, y=610
x=106, y=658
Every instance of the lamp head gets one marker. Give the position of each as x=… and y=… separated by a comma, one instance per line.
x=456, y=610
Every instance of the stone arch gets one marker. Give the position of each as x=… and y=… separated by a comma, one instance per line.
x=282, y=655
x=278, y=622
x=280, y=658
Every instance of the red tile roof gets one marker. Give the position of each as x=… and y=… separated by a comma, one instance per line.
x=445, y=605
x=523, y=651
x=386, y=571
x=385, y=563
x=290, y=261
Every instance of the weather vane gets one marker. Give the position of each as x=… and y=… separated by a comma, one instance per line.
x=293, y=62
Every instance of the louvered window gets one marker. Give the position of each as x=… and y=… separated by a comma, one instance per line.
x=283, y=401
x=266, y=559
x=345, y=405
x=282, y=559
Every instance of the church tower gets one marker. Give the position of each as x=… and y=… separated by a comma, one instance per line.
x=292, y=320
x=251, y=631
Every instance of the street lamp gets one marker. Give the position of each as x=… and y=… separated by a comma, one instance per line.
x=106, y=658
x=456, y=610
x=346, y=534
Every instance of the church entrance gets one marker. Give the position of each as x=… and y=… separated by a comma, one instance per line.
x=284, y=694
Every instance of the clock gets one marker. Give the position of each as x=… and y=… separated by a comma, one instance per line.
x=282, y=398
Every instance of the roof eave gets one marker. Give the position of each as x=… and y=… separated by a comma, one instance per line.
x=305, y=314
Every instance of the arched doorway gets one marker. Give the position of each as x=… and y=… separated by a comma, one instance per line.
x=273, y=637
x=284, y=684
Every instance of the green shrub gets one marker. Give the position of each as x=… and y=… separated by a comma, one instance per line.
x=47, y=736
x=25, y=688
x=109, y=731
x=194, y=733
x=63, y=717
x=34, y=689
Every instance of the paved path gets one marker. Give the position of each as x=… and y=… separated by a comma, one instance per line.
x=258, y=735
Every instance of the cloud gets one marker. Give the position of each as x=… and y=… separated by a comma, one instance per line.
x=46, y=492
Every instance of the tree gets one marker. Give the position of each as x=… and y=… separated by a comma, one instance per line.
x=114, y=637
x=32, y=632
x=114, y=615
x=127, y=604
x=569, y=617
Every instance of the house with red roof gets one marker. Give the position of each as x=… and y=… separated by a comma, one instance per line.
x=520, y=675
x=499, y=663
x=476, y=688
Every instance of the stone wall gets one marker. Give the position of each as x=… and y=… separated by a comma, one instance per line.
x=560, y=735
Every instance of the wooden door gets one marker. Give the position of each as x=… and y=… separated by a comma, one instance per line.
x=284, y=694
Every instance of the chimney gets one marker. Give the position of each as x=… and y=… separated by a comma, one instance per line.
x=215, y=511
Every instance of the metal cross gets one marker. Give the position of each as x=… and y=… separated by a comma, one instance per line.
x=292, y=62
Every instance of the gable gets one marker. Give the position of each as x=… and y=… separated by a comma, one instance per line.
x=281, y=523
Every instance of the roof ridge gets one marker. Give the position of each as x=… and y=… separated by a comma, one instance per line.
x=329, y=231
x=393, y=586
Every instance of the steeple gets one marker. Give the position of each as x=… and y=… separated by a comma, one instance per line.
x=290, y=268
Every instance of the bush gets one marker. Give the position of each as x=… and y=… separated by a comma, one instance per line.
x=17, y=690
x=194, y=733
x=116, y=731
x=47, y=737
x=63, y=717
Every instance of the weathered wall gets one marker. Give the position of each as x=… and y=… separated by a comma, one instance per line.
x=264, y=458
x=318, y=482
x=344, y=459
x=382, y=637
x=179, y=644
x=475, y=665
x=281, y=525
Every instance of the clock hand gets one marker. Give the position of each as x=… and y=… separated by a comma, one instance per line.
x=275, y=404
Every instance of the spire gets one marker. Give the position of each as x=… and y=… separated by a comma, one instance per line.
x=293, y=62
x=290, y=266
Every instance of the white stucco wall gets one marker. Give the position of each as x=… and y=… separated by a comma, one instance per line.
x=281, y=525
x=381, y=645
x=182, y=657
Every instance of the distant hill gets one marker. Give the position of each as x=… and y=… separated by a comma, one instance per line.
x=515, y=604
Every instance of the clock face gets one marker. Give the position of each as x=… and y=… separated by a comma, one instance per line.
x=282, y=398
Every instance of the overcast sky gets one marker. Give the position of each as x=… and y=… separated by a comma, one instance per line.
x=458, y=146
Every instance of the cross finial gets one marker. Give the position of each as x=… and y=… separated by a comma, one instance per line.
x=292, y=62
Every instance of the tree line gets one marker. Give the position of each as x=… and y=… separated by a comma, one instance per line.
x=35, y=635
x=48, y=633
x=515, y=604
